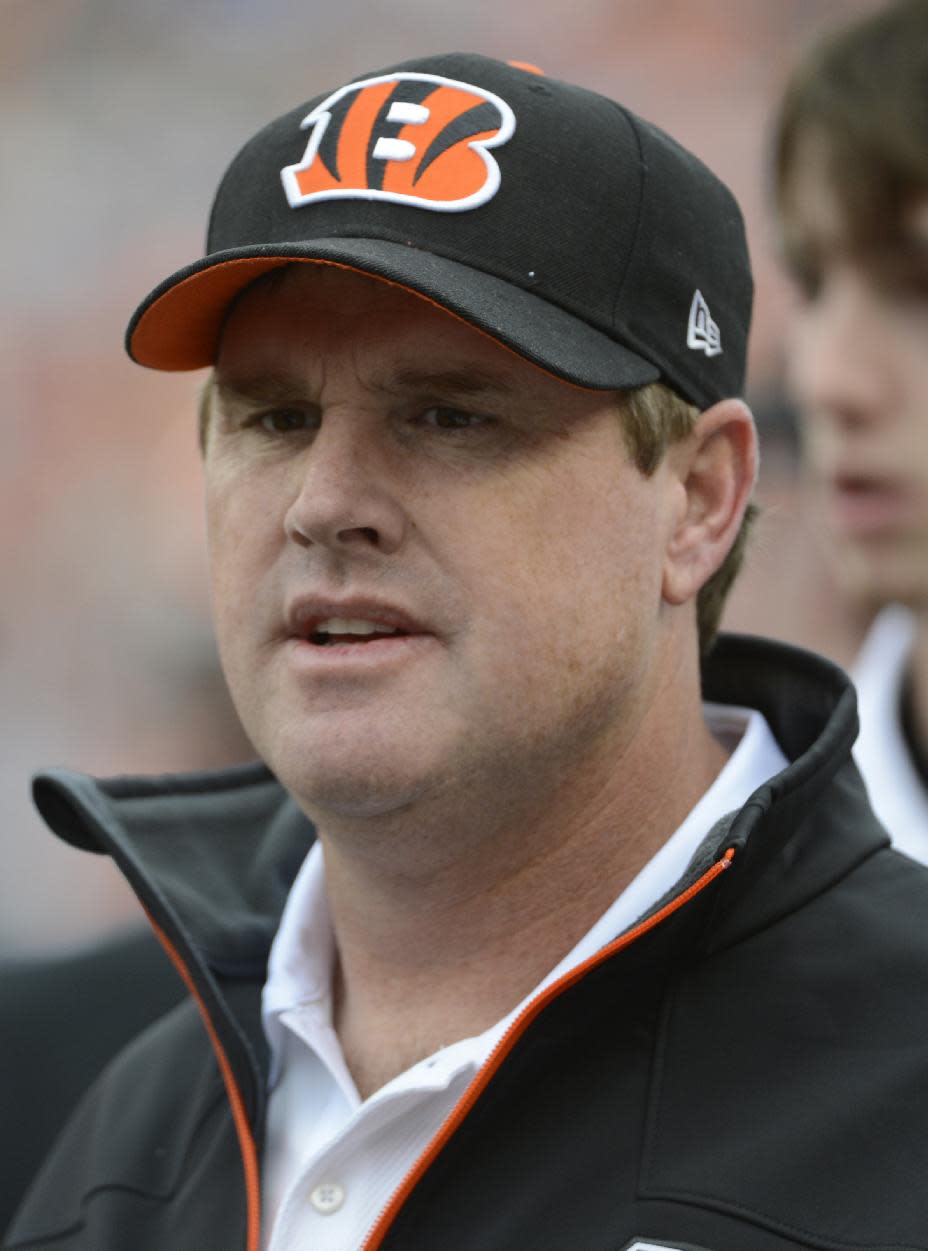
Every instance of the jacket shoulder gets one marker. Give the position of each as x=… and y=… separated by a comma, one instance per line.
x=804, y=1046
x=62, y=1017
x=156, y=1118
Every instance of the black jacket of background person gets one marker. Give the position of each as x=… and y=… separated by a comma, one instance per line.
x=62, y=1017
x=746, y=1071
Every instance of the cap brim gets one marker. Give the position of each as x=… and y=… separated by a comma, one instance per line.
x=178, y=326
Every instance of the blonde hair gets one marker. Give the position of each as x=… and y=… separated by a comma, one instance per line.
x=204, y=403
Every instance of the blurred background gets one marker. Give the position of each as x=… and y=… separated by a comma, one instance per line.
x=117, y=122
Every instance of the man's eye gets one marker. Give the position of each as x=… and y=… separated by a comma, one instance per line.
x=443, y=417
x=285, y=420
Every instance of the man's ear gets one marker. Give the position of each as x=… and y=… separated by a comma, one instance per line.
x=716, y=465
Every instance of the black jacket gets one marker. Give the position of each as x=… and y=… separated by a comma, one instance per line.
x=62, y=1017
x=745, y=1071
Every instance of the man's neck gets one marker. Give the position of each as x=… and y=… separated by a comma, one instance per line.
x=428, y=957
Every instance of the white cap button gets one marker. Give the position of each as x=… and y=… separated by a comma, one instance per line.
x=327, y=1197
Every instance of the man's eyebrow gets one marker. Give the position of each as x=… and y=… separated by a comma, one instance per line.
x=464, y=381
x=261, y=389
x=271, y=389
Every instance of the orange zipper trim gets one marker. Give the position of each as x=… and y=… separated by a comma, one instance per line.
x=246, y=1140
x=502, y=1049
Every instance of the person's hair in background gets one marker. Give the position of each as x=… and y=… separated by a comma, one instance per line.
x=862, y=93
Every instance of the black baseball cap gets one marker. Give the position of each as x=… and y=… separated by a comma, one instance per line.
x=548, y=216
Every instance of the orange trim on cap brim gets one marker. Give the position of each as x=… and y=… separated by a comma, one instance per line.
x=180, y=330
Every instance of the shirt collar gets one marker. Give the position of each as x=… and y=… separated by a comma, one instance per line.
x=302, y=955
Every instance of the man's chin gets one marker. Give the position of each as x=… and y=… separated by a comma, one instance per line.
x=360, y=789
x=350, y=804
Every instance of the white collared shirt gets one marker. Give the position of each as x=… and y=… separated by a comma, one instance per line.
x=331, y=1160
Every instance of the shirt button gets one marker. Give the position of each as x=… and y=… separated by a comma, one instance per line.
x=327, y=1197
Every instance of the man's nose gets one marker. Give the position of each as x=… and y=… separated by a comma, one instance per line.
x=344, y=500
x=840, y=361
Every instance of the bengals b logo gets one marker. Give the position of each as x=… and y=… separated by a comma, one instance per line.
x=412, y=138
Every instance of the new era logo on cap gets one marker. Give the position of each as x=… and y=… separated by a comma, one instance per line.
x=418, y=139
x=639, y=1244
x=702, y=334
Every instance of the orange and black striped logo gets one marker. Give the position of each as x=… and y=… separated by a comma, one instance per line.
x=415, y=139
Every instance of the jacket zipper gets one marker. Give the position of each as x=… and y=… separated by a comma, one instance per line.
x=484, y=1075
x=475, y=1089
x=246, y=1141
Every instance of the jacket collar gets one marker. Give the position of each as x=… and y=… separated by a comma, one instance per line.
x=812, y=823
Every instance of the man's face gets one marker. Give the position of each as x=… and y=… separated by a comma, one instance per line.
x=433, y=565
x=858, y=365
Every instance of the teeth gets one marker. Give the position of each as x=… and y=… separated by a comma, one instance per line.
x=344, y=625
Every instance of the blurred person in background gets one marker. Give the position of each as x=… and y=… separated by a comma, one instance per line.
x=851, y=187
x=523, y=931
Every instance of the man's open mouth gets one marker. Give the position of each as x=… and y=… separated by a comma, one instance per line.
x=337, y=630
